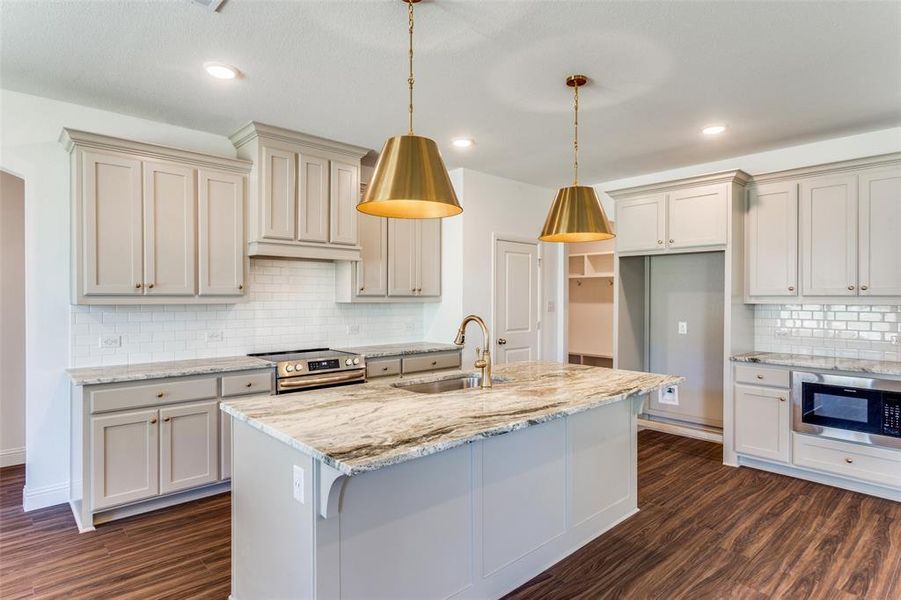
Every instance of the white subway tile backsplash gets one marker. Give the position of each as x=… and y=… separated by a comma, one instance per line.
x=848, y=331
x=289, y=305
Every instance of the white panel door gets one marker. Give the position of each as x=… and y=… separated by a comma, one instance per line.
x=344, y=194
x=762, y=422
x=428, y=257
x=279, y=178
x=401, y=257
x=880, y=233
x=124, y=457
x=829, y=236
x=696, y=217
x=189, y=445
x=169, y=209
x=113, y=247
x=313, y=199
x=517, y=305
x=772, y=239
x=641, y=223
x=372, y=269
x=220, y=233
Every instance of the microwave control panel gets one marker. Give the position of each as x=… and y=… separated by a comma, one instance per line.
x=891, y=415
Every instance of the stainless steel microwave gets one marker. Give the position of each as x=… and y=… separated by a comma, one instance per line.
x=854, y=409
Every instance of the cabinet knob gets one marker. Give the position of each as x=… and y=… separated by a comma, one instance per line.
x=362, y=288
x=153, y=421
x=760, y=377
x=671, y=241
x=418, y=290
x=248, y=384
x=160, y=394
x=138, y=286
x=849, y=460
x=851, y=287
x=864, y=288
x=434, y=363
x=659, y=242
x=781, y=399
x=150, y=286
x=240, y=286
x=791, y=288
x=167, y=419
x=384, y=368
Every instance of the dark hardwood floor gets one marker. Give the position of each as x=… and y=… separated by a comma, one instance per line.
x=704, y=531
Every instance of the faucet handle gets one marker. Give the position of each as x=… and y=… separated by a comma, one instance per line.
x=480, y=359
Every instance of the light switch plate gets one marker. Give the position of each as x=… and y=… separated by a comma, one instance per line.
x=668, y=395
x=683, y=328
x=298, y=484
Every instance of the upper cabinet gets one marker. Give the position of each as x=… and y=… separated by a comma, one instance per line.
x=154, y=225
x=838, y=226
x=681, y=216
x=303, y=194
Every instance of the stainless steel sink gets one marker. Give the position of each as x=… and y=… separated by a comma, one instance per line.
x=452, y=384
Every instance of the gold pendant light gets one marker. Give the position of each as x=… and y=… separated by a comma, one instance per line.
x=577, y=214
x=410, y=179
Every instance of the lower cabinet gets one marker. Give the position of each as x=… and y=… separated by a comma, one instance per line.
x=225, y=446
x=189, y=446
x=762, y=422
x=125, y=457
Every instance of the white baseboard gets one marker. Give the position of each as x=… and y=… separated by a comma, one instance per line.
x=12, y=456
x=698, y=432
x=42, y=497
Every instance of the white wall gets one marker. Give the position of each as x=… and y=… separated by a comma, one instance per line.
x=57, y=335
x=12, y=320
x=492, y=206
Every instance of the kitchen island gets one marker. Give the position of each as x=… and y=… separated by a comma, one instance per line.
x=378, y=491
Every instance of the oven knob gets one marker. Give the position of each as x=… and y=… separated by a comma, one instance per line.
x=348, y=362
x=289, y=368
x=298, y=367
x=356, y=361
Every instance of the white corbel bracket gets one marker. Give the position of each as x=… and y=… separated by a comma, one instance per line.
x=331, y=483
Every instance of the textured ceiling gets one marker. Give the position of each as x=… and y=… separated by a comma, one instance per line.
x=778, y=73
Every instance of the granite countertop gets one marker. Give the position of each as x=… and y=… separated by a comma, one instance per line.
x=398, y=349
x=158, y=370
x=822, y=363
x=373, y=425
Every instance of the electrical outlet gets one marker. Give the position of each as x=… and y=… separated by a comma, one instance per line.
x=683, y=328
x=669, y=395
x=551, y=307
x=896, y=339
x=409, y=326
x=782, y=332
x=214, y=336
x=298, y=484
x=110, y=341
x=353, y=329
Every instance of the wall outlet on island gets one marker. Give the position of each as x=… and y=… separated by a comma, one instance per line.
x=214, y=336
x=669, y=395
x=110, y=341
x=298, y=484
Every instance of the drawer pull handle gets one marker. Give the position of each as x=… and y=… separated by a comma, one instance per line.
x=434, y=362
x=760, y=377
x=153, y=421
x=248, y=384
x=160, y=394
x=167, y=419
x=849, y=460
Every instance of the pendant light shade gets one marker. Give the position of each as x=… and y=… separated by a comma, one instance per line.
x=410, y=182
x=576, y=214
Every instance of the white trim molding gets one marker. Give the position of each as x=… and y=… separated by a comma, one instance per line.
x=41, y=497
x=12, y=456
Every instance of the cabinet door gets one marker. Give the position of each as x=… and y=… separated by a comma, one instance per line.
x=344, y=194
x=428, y=257
x=124, y=457
x=169, y=206
x=313, y=199
x=697, y=217
x=279, y=191
x=401, y=257
x=189, y=446
x=772, y=240
x=762, y=422
x=880, y=233
x=221, y=234
x=372, y=270
x=641, y=223
x=112, y=242
x=829, y=236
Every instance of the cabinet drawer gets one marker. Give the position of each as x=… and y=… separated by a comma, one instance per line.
x=874, y=465
x=431, y=362
x=162, y=391
x=246, y=383
x=762, y=376
x=382, y=368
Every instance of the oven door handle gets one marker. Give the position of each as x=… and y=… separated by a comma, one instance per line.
x=299, y=383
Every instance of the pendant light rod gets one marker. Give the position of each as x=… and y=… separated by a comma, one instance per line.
x=410, y=79
x=575, y=82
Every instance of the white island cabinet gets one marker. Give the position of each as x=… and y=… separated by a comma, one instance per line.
x=374, y=491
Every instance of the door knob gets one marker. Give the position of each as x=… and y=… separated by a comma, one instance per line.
x=501, y=341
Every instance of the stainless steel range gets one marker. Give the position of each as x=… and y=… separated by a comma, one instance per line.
x=300, y=370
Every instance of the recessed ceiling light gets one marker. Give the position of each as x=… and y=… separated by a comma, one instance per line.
x=463, y=142
x=220, y=70
x=713, y=129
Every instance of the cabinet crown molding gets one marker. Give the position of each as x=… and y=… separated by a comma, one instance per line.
x=74, y=138
x=733, y=176
x=870, y=162
x=254, y=130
